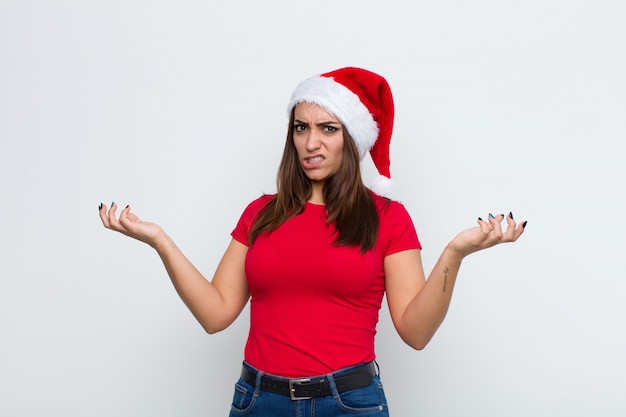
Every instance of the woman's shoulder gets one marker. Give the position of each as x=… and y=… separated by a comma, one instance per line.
x=259, y=202
x=385, y=204
x=396, y=224
x=263, y=199
x=248, y=216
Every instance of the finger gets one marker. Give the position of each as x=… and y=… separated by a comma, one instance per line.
x=102, y=212
x=125, y=219
x=111, y=212
x=130, y=222
x=520, y=230
x=511, y=228
x=114, y=223
x=485, y=226
x=132, y=217
x=514, y=231
x=496, y=226
x=496, y=219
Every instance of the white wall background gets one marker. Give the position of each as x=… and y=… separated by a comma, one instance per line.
x=178, y=108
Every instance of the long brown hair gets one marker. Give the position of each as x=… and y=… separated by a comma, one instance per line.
x=349, y=205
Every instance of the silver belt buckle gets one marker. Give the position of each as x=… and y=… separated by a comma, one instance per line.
x=292, y=390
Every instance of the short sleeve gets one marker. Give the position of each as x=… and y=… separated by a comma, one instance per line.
x=397, y=229
x=241, y=232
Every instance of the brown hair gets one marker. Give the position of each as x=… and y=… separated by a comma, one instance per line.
x=349, y=205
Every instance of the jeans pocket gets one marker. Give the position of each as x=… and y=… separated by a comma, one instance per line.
x=243, y=398
x=370, y=399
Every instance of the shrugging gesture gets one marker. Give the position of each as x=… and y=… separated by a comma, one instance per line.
x=419, y=306
x=488, y=233
x=214, y=304
x=316, y=259
x=130, y=225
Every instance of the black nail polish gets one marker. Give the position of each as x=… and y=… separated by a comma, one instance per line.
x=491, y=216
x=100, y=207
x=480, y=218
x=524, y=224
x=128, y=206
x=511, y=215
x=112, y=202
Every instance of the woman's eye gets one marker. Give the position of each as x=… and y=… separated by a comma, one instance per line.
x=330, y=129
x=299, y=128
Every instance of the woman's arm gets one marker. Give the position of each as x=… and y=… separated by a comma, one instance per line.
x=214, y=304
x=418, y=306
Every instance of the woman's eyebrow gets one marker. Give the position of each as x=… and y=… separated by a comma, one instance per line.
x=326, y=123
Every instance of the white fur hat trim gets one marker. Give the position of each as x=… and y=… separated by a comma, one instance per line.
x=342, y=103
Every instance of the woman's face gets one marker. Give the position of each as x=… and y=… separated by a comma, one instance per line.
x=318, y=138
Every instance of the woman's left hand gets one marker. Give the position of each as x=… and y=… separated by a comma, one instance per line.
x=488, y=233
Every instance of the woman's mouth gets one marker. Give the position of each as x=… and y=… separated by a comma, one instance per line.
x=313, y=161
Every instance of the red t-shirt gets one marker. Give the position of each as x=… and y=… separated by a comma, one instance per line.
x=314, y=305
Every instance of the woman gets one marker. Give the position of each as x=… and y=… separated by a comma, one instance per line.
x=316, y=258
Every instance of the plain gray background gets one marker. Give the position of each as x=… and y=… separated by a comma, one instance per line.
x=178, y=108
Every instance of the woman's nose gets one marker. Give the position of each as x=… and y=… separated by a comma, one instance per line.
x=313, y=141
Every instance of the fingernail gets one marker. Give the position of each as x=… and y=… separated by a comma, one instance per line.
x=511, y=215
x=502, y=214
x=100, y=207
x=112, y=202
x=491, y=216
x=128, y=206
x=480, y=218
x=524, y=224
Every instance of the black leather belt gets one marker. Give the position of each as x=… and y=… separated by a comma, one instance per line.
x=307, y=388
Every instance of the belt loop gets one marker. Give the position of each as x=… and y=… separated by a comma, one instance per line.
x=257, y=381
x=332, y=385
x=257, y=384
x=377, y=368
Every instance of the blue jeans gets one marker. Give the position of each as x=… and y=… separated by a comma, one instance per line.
x=368, y=401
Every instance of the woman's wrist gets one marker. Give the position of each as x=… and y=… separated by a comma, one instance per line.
x=162, y=242
x=452, y=254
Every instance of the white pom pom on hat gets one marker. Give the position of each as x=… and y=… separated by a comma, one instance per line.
x=363, y=103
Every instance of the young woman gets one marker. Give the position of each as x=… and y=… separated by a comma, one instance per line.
x=316, y=258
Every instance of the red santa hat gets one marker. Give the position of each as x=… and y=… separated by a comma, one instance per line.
x=363, y=103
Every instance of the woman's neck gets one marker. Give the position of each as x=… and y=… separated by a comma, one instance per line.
x=317, y=194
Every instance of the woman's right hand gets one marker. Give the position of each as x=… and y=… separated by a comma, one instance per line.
x=131, y=225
